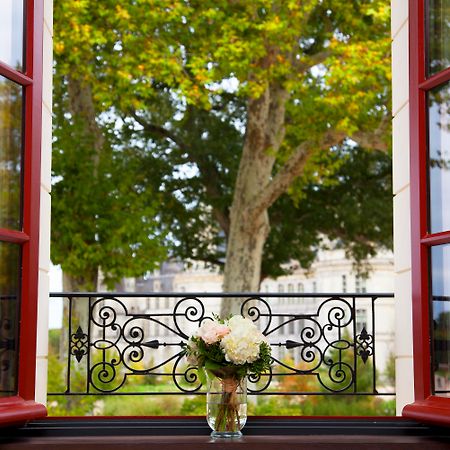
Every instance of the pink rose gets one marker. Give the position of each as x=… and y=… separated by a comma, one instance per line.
x=211, y=332
x=222, y=330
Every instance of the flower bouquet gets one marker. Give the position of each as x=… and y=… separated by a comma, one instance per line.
x=225, y=352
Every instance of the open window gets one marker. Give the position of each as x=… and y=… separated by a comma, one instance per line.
x=430, y=197
x=21, y=28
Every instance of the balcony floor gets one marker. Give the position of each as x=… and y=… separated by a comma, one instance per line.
x=189, y=433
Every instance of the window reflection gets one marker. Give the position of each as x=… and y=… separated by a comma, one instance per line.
x=438, y=35
x=439, y=158
x=11, y=33
x=9, y=316
x=440, y=281
x=10, y=154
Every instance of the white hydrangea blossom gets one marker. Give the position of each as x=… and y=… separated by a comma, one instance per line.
x=241, y=344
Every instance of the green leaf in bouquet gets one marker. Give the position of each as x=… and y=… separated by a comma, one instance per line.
x=202, y=375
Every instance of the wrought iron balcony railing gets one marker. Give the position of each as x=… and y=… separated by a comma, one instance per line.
x=322, y=344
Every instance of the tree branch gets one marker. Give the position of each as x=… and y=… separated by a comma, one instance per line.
x=311, y=61
x=291, y=170
x=374, y=139
x=206, y=170
x=212, y=259
x=275, y=129
x=81, y=104
x=210, y=178
x=159, y=130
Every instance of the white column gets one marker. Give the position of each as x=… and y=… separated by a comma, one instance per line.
x=401, y=191
x=44, y=244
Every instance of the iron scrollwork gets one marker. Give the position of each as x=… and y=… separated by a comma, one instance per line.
x=364, y=345
x=123, y=346
x=321, y=344
x=79, y=344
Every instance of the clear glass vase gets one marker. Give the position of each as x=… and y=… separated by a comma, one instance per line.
x=226, y=406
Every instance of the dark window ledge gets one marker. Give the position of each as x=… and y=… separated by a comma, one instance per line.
x=260, y=433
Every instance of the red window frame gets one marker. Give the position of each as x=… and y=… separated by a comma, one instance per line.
x=22, y=407
x=427, y=407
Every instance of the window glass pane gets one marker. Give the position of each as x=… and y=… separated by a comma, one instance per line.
x=9, y=316
x=11, y=33
x=438, y=35
x=10, y=154
x=440, y=288
x=439, y=157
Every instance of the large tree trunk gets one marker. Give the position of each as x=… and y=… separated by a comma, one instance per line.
x=80, y=309
x=87, y=282
x=249, y=220
x=79, y=318
x=81, y=106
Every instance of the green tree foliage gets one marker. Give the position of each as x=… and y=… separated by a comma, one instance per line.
x=348, y=201
x=245, y=115
x=102, y=216
x=104, y=207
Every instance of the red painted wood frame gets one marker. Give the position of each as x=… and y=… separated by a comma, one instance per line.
x=427, y=407
x=22, y=407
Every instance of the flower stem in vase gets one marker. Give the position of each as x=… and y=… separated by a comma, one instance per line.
x=225, y=352
x=227, y=407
